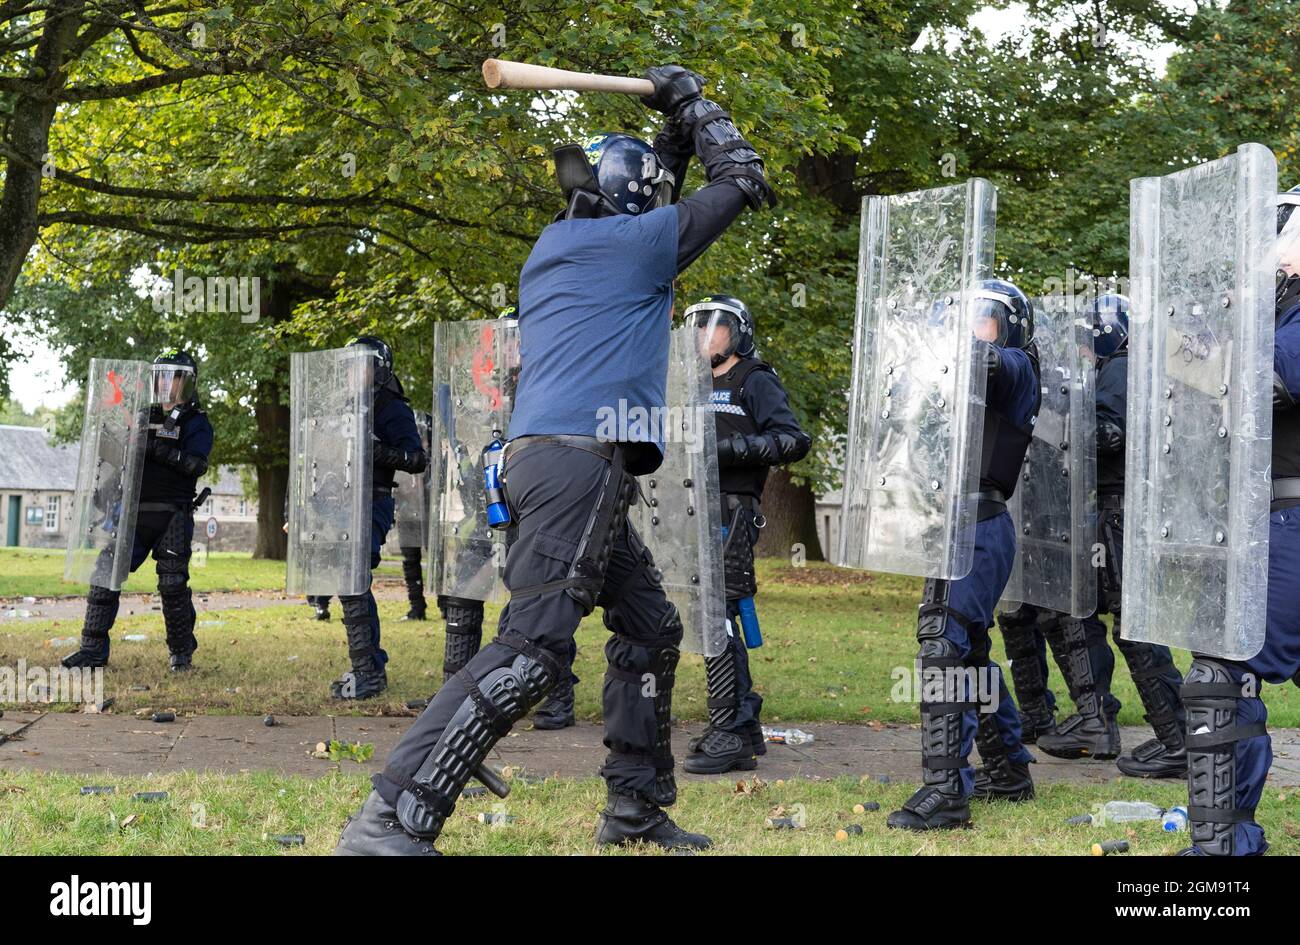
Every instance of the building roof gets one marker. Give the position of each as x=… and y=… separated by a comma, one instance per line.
x=29, y=461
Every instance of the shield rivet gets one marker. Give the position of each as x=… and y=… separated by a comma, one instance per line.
x=893, y=303
x=1223, y=390
x=690, y=510
x=1065, y=389
x=1164, y=531
x=942, y=402
x=1170, y=311
x=934, y=484
x=1227, y=302
x=1218, y=537
x=1169, y=392
x=890, y=369
x=1223, y=431
x=654, y=520
x=1065, y=447
x=654, y=503
x=695, y=579
x=653, y=483
x=882, y=480
x=1168, y=448
x=688, y=483
x=943, y=369
x=1065, y=473
x=947, y=300
x=884, y=415
x=1169, y=421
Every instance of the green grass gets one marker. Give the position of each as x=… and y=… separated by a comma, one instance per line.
x=240, y=814
x=834, y=642
x=38, y=572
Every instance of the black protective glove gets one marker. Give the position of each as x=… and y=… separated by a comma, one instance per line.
x=765, y=449
x=674, y=87
x=413, y=463
x=191, y=464
x=990, y=355
x=1110, y=438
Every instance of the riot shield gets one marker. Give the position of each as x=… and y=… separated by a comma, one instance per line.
x=411, y=497
x=1054, y=506
x=1200, y=419
x=331, y=472
x=916, y=415
x=681, y=517
x=113, y=435
x=475, y=372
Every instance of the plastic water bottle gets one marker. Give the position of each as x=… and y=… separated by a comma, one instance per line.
x=1118, y=812
x=1175, y=819
x=786, y=736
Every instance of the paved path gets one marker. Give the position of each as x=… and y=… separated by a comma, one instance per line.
x=125, y=745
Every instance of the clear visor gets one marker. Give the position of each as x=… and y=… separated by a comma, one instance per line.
x=988, y=308
x=1288, y=243
x=717, y=332
x=172, y=384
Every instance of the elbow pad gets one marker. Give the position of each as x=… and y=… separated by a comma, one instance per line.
x=413, y=463
x=723, y=150
x=1110, y=438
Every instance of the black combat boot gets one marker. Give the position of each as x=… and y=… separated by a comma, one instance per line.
x=375, y=831
x=101, y=611
x=628, y=819
x=1091, y=732
x=367, y=678
x=999, y=778
x=1164, y=756
x=557, y=711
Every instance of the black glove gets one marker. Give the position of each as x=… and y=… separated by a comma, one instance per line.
x=990, y=355
x=674, y=87
x=1110, y=438
x=1282, y=399
x=191, y=464
x=413, y=463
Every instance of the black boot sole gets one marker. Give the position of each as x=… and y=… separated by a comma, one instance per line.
x=549, y=726
x=719, y=765
x=1152, y=774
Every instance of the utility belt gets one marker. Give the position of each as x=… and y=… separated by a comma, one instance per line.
x=598, y=447
x=188, y=506
x=991, y=502
x=1286, y=494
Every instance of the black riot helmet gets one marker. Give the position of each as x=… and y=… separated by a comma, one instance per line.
x=1003, y=302
x=715, y=314
x=1109, y=324
x=1288, y=246
x=609, y=174
x=175, y=379
x=383, y=357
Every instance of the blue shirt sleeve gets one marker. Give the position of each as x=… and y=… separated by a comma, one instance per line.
x=197, y=437
x=1012, y=390
x=395, y=427
x=1112, y=392
x=1286, y=357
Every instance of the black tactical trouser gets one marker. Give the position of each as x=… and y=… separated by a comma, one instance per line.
x=555, y=492
x=166, y=532
x=413, y=574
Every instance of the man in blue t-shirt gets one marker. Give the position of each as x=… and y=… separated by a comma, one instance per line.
x=595, y=299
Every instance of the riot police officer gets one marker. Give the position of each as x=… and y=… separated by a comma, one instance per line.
x=1229, y=751
x=595, y=300
x=955, y=616
x=1081, y=647
x=397, y=446
x=756, y=430
x=176, y=455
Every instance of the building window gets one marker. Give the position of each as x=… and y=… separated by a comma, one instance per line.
x=52, y=513
x=207, y=507
x=243, y=508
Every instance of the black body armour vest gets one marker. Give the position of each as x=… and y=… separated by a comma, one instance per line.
x=1110, y=466
x=1286, y=423
x=732, y=417
x=1005, y=445
x=160, y=483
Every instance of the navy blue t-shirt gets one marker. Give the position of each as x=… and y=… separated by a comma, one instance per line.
x=595, y=302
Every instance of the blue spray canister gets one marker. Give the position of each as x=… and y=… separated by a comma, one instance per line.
x=498, y=510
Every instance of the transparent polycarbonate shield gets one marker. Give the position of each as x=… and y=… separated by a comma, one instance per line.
x=1202, y=257
x=1054, y=506
x=916, y=414
x=331, y=473
x=681, y=519
x=475, y=372
x=411, y=497
x=113, y=435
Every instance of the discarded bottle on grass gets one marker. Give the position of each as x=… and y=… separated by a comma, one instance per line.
x=786, y=736
x=1175, y=819
x=1118, y=812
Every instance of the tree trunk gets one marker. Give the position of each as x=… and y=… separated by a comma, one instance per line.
x=272, y=487
x=791, y=512
x=29, y=138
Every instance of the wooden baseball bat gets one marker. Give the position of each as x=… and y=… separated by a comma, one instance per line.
x=504, y=74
